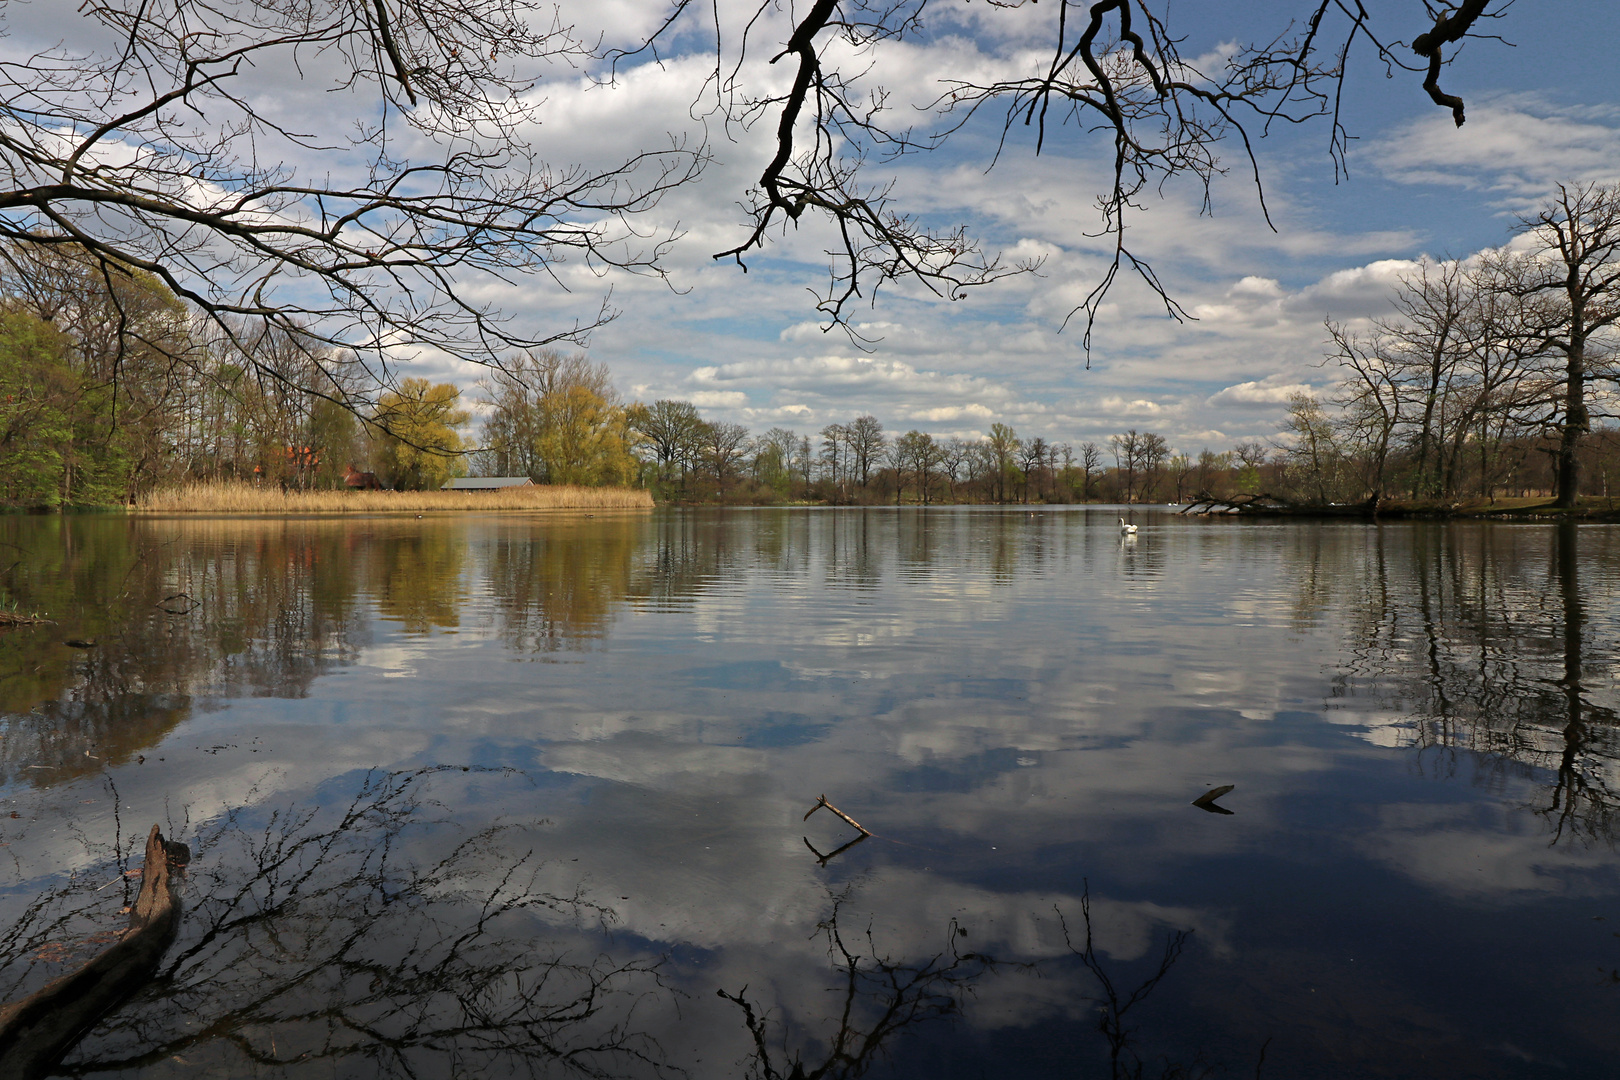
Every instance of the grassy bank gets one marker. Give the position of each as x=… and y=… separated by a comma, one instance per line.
x=251, y=499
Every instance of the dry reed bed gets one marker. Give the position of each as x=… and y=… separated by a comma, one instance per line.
x=250, y=499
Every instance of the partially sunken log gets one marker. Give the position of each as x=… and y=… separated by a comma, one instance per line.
x=38, y=1031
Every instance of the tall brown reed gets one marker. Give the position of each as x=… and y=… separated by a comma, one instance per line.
x=237, y=498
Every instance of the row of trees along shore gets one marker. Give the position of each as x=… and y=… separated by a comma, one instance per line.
x=111, y=386
x=305, y=259
x=1487, y=377
x=1485, y=380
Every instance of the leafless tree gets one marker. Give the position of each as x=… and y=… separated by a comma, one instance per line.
x=954, y=458
x=1370, y=397
x=1114, y=71
x=1127, y=459
x=1314, y=461
x=1090, y=463
x=1032, y=459
x=155, y=139
x=1181, y=471
x=668, y=429
x=1571, y=283
x=724, y=448
x=866, y=443
x=1153, y=452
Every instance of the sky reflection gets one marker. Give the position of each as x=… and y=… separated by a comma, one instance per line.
x=1419, y=865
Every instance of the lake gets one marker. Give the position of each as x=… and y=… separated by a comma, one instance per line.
x=527, y=795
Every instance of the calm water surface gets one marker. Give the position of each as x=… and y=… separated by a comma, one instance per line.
x=511, y=795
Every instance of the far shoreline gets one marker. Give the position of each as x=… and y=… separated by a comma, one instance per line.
x=250, y=499
x=1594, y=509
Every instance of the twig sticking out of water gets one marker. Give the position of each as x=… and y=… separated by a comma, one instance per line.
x=821, y=801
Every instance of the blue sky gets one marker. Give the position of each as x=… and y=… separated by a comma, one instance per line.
x=749, y=348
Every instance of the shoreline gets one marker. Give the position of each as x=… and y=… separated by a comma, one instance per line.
x=248, y=500
x=1532, y=510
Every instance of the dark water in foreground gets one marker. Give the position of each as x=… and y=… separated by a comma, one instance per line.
x=525, y=795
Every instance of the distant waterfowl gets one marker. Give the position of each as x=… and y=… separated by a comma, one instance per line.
x=1126, y=529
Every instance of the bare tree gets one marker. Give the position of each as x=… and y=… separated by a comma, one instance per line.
x=1314, y=457
x=1371, y=399
x=1127, y=459
x=835, y=456
x=150, y=141
x=1032, y=459
x=954, y=456
x=917, y=456
x=724, y=447
x=1210, y=463
x=1113, y=69
x=1153, y=452
x=1571, y=281
x=1090, y=464
x=668, y=428
x=1181, y=471
x=866, y=443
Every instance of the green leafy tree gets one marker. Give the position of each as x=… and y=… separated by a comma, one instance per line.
x=584, y=439
x=38, y=396
x=1003, y=445
x=556, y=419
x=419, y=445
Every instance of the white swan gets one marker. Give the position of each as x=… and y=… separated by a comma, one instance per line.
x=1126, y=530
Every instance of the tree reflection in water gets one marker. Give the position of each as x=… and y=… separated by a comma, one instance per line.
x=269, y=607
x=361, y=942
x=879, y=998
x=1487, y=645
x=1115, y=1005
x=1582, y=801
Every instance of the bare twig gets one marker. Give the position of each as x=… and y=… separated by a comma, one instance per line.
x=821, y=801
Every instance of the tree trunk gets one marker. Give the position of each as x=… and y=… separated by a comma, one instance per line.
x=38, y=1031
x=1576, y=423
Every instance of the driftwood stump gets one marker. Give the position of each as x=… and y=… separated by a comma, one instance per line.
x=38, y=1031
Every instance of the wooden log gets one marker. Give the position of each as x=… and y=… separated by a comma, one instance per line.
x=38, y=1031
x=1206, y=801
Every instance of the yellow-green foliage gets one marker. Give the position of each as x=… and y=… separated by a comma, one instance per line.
x=585, y=439
x=421, y=448
x=556, y=419
x=228, y=498
x=38, y=395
